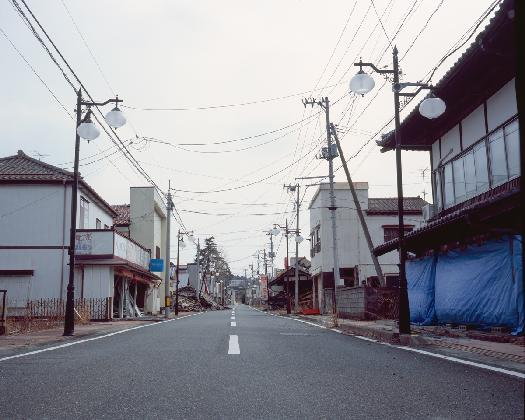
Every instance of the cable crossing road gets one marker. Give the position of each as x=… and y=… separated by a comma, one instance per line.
x=245, y=364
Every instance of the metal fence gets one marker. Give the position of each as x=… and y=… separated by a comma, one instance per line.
x=40, y=314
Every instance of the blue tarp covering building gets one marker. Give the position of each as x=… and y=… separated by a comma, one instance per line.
x=480, y=285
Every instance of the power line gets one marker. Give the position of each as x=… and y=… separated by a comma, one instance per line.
x=87, y=46
x=36, y=73
x=422, y=29
x=379, y=19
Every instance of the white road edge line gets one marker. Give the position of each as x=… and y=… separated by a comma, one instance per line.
x=425, y=352
x=233, y=324
x=233, y=347
x=61, y=346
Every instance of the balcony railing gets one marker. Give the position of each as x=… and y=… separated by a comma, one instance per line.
x=104, y=243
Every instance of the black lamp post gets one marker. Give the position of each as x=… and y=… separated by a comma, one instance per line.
x=430, y=108
x=86, y=129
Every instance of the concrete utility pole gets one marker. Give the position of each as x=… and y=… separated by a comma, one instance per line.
x=167, y=300
x=295, y=188
x=265, y=261
x=272, y=255
x=330, y=155
x=199, y=286
x=377, y=267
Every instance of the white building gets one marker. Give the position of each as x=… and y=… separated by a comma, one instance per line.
x=35, y=203
x=355, y=262
x=144, y=221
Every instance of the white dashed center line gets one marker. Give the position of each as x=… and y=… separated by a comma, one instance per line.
x=233, y=347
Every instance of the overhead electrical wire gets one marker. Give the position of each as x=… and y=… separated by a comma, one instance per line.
x=36, y=74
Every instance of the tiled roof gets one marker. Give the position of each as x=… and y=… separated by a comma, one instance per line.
x=22, y=168
x=389, y=205
x=122, y=218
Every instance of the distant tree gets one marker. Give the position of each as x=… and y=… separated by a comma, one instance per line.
x=212, y=262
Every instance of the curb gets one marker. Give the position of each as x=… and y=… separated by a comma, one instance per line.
x=417, y=340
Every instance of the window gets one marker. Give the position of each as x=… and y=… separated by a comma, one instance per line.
x=448, y=188
x=390, y=232
x=512, y=141
x=489, y=163
x=157, y=252
x=98, y=223
x=460, y=190
x=84, y=213
x=498, y=162
x=480, y=163
x=315, y=243
x=470, y=175
x=437, y=189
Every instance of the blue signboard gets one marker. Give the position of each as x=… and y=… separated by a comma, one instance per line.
x=156, y=264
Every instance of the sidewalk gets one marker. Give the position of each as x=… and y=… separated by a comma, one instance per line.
x=472, y=345
x=10, y=343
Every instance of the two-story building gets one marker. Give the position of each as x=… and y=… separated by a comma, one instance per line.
x=468, y=267
x=35, y=206
x=355, y=262
x=144, y=221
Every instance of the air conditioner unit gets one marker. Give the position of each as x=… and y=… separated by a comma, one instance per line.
x=429, y=212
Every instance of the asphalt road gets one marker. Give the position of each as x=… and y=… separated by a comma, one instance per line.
x=284, y=369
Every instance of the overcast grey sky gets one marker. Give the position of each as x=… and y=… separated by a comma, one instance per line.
x=194, y=54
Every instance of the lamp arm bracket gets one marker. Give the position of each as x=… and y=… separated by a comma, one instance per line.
x=398, y=87
x=380, y=71
x=115, y=100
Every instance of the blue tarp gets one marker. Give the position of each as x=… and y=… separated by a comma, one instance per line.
x=421, y=287
x=480, y=285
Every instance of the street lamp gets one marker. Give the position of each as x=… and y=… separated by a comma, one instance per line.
x=86, y=129
x=431, y=107
x=180, y=244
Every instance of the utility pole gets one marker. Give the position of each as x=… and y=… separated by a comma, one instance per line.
x=288, y=306
x=295, y=188
x=177, y=276
x=404, y=311
x=167, y=300
x=272, y=255
x=199, y=266
x=330, y=154
x=364, y=226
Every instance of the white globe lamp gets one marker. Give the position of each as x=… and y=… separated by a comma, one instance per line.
x=362, y=83
x=432, y=107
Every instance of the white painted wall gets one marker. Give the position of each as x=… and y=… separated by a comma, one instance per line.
x=450, y=141
x=502, y=105
x=352, y=246
x=148, y=227
x=38, y=215
x=473, y=127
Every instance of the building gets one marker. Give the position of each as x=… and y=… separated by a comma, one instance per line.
x=355, y=262
x=467, y=268
x=144, y=221
x=35, y=205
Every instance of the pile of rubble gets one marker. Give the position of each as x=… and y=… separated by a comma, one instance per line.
x=189, y=301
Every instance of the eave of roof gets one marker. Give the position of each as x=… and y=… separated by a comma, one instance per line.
x=457, y=216
x=487, y=64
